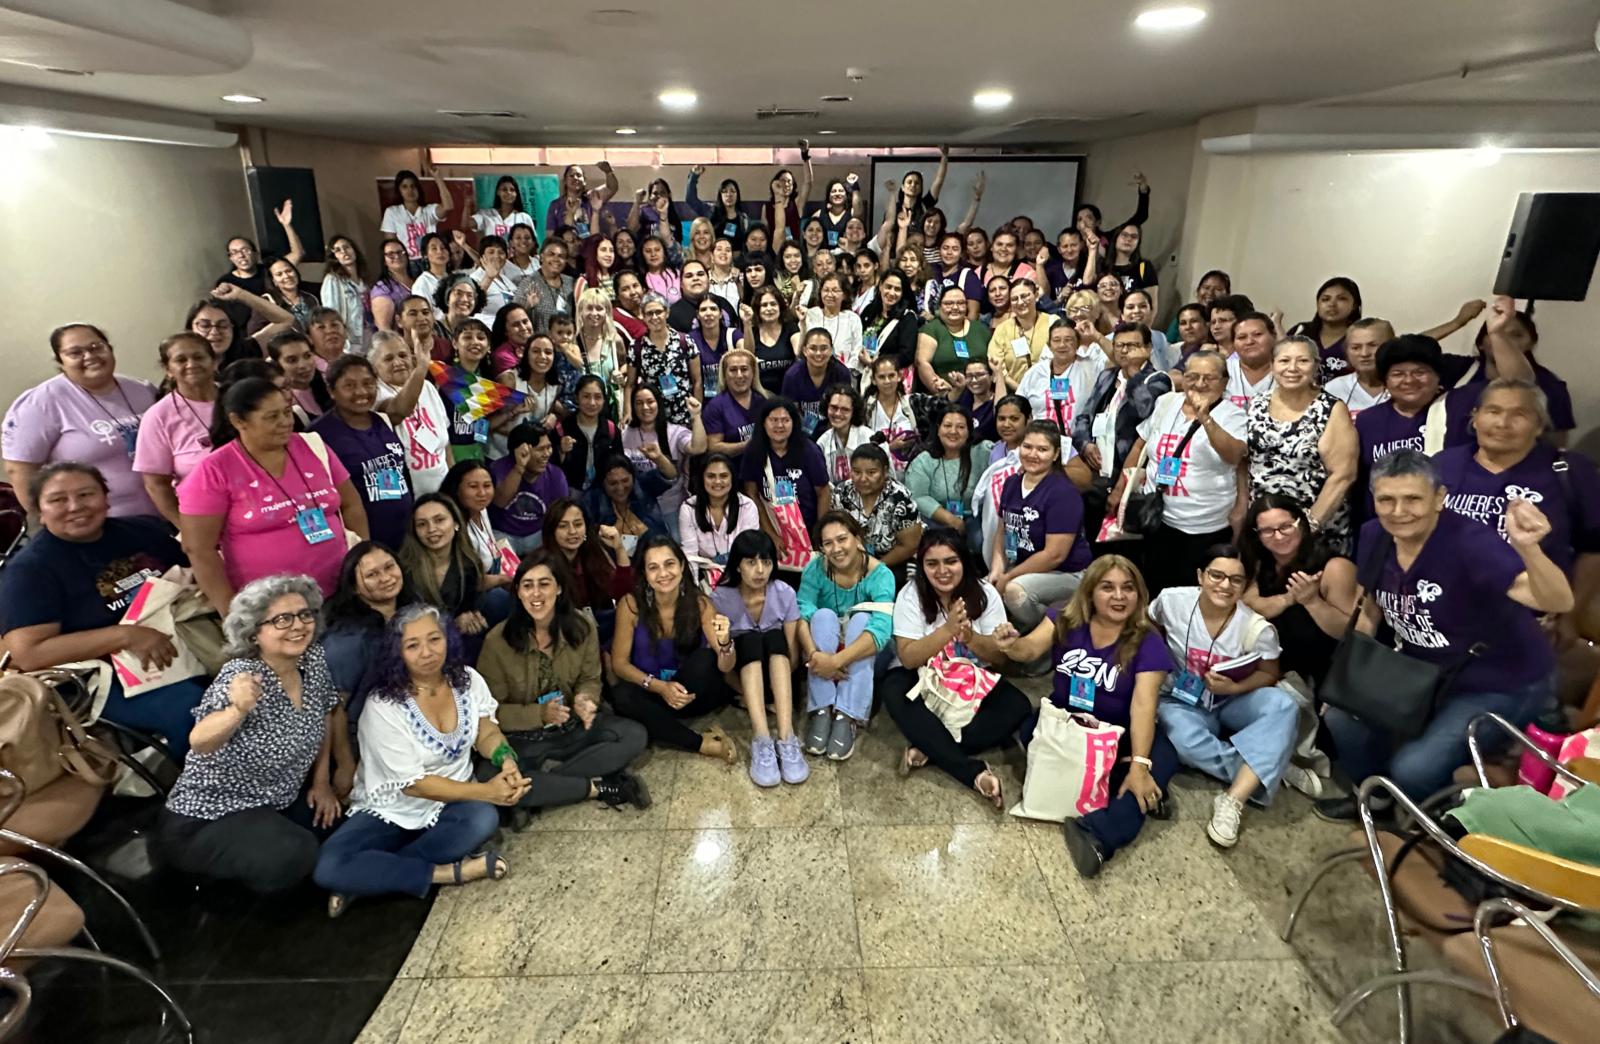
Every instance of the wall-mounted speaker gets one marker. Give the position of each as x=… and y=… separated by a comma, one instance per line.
x=269, y=187
x=1552, y=247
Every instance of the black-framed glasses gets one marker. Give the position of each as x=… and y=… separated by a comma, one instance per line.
x=1217, y=576
x=284, y=621
x=1277, y=531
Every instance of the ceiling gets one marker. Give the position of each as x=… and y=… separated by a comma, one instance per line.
x=573, y=73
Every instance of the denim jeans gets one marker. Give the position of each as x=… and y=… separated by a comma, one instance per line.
x=1423, y=766
x=1254, y=728
x=852, y=695
x=368, y=856
x=1116, y=825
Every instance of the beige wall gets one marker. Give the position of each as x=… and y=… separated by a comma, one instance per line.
x=120, y=234
x=1419, y=232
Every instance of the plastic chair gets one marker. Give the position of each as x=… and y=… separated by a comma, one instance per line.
x=1551, y=882
x=16, y=983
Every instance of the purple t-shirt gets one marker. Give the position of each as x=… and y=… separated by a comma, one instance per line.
x=376, y=460
x=524, y=516
x=780, y=608
x=57, y=420
x=802, y=464
x=1077, y=657
x=724, y=416
x=1054, y=507
x=797, y=385
x=1477, y=494
x=656, y=656
x=1383, y=429
x=711, y=356
x=1454, y=597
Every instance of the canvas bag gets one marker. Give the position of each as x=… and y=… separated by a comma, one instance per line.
x=316, y=445
x=953, y=687
x=1070, y=759
x=1585, y=744
x=152, y=607
x=40, y=739
x=791, y=523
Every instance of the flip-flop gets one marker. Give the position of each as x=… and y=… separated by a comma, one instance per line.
x=998, y=797
x=730, y=750
x=909, y=762
x=337, y=905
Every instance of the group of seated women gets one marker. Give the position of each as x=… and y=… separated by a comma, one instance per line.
x=777, y=467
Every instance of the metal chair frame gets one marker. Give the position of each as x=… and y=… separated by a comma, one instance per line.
x=1400, y=978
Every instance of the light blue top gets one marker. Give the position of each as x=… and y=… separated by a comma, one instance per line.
x=818, y=591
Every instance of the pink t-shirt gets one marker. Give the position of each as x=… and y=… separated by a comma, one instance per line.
x=260, y=536
x=57, y=420
x=173, y=437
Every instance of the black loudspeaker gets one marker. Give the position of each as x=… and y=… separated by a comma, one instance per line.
x=269, y=187
x=1552, y=247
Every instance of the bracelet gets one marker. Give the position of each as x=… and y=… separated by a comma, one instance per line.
x=501, y=753
x=1139, y=759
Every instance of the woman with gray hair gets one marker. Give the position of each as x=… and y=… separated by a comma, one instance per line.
x=255, y=796
x=1302, y=443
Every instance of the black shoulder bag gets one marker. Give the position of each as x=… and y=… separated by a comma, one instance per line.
x=1378, y=684
x=1147, y=510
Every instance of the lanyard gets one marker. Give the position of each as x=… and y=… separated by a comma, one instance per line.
x=1188, y=628
x=120, y=394
x=205, y=437
x=288, y=463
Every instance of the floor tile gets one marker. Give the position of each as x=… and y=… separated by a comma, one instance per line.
x=712, y=794
x=872, y=793
x=658, y=769
x=753, y=899
x=293, y=938
x=574, y=902
x=944, y=895
x=385, y=1024
x=1211, y=1002
x=959, y=1005
x=589, y=1009
x=419, y=959
x=282, y=1012
x=776, y=1007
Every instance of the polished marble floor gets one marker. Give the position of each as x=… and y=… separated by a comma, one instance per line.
x=859, y=907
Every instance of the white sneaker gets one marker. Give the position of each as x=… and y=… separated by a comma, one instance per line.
x=1223, y=829
x=1304, y=780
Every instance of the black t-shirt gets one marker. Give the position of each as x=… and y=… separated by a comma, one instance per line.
x=89, y=585
x=682, y=315
x=773, y=361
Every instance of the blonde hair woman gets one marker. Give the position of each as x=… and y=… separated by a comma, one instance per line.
x=701, y=238
x=597, y=346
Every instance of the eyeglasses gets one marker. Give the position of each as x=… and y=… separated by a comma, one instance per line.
x=207, y=326
x=283, y=621
x=1217, y=576
x=1204, y=378
x=86, y=350
x=1277, y=531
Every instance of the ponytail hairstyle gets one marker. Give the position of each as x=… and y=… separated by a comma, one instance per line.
x=241, y=399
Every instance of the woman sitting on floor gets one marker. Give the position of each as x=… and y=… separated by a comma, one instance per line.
x=254, y=797
x=417, y=816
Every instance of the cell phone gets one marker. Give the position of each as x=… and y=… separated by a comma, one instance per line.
x=547, y=697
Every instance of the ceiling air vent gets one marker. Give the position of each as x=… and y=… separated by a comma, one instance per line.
x=481, y=114
x=773, y=112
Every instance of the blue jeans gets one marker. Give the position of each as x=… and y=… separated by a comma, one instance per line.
x=168, y=711
x=368, y=856
x=1424, y=766
x=1260, y=731
x=1116, y=825
x=853, y=695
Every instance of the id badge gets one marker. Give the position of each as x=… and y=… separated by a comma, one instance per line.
x=549, y=696
x=1167, y=472
x=731, y=229
x=480, y=430
x=390, y=485
x=833, y=239
x=783, y=491
x=561, y=305
x=1189, y=687
x=668, y=673
x=1060, y=388
x=1011, y=545
x=669, y=384
x=720, y=558
x=1021, y=348
x=1080, y=693
x=130, y=439
x=961, y=349
x=869, y=341
x=582, y=228
x=313, y=525
x=957, y=508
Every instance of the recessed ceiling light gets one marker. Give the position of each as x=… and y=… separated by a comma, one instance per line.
x=243, y=99
x=827, y=132
x=993, y=98
x=677, y=98
x=626, y=130
x=1181, y=16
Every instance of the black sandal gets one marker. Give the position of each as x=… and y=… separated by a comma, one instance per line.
x=497, y=868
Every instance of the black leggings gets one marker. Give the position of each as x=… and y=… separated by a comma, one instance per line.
x=561, y=762
x=264, y=849
x=698, y=673
x=997, y=720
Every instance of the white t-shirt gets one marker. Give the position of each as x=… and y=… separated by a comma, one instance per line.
x=499, y=294
x=409, y=228
x=424, y=286
x=1240, y=390
x=488, y=222
x=1348, y=390
x=1176, y=611
x=1048, y=400
x=1204, y=494
x=426, y=435
x=910, y=623
x=394, y=754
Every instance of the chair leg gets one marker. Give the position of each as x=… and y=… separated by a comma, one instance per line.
x=73, y=953
x=1391, y=913
x=83, y=868
x=22, y=993
x=1436, y=977
x=141, y=739
x=1344, y=855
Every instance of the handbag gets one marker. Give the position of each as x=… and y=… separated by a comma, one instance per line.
x=1377, y=684
x=953, y=687
x=1070, y=759
x=41, y=739
x=1145, y=511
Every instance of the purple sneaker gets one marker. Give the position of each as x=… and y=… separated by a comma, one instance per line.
x=763, y=762
x=792, y=762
